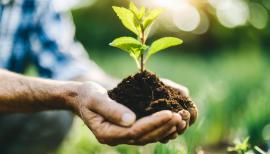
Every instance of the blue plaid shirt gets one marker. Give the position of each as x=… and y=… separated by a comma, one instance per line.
x=33, y=32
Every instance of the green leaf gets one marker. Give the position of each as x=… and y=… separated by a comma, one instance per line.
x=130, y=45
x=138, y=16
x=139, y=13
x=127, y=44
x=137, y=51
x=162, y=44
x=133, y=8
x=151, y=17
x=127, y=18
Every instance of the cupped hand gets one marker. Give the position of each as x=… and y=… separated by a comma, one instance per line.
x=113, y=123
x=190, y=116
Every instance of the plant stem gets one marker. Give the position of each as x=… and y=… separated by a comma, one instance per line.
x=142, y=56
x=142, y=63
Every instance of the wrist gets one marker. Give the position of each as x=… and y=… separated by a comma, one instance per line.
x=69, y=93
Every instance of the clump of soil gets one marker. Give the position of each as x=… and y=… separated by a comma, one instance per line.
x=145, y=94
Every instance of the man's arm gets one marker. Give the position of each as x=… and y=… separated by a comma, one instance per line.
x=112, y=123
x=26, y=94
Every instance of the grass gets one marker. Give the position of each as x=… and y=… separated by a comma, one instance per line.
x=231, y=90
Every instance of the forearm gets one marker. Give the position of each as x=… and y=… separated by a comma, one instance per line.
x=27, y=94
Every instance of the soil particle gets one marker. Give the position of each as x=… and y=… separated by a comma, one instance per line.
x=145, y=94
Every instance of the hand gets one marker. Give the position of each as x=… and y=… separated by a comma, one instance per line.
x=190, y=116
x=113, y=123
x=183, y=90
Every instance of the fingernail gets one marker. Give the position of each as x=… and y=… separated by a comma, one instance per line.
x=128, y=119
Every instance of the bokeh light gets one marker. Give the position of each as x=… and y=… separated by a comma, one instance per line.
x=186, y=18
x=232, y=13
x=182, y=13
x=258, y=15
x=204, y=24
x=266, y=132
x=214, y=3
x=193, y=16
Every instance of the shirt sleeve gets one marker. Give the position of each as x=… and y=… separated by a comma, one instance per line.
x=53, y=48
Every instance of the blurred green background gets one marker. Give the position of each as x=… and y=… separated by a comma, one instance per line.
x=223, y=61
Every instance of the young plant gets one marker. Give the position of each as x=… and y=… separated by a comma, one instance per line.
x=240, y=148
x=139, y=21
x=245, y=148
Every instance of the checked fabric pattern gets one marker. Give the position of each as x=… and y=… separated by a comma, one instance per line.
x=33, y=32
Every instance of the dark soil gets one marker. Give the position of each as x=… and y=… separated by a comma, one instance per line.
x=145, y=94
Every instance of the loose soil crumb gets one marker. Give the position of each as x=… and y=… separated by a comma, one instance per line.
x=145, y=94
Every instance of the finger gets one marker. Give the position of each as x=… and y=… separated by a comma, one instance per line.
x=90, y=118
x=149, y=123
x=185, y=116
x=156, y=135
x=168, y=133
x=182, y=127
x=112, y=134
x=183, y=90
x=193, y=114
x=104, y=131
x=141, y=127
x=181, y=124
x=109, y=109
x=114, y=112
x=162, y=131
x=170, y=137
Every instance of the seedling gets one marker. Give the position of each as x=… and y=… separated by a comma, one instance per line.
x=245, y=148
x=240, y=148
x=139, y=21
x=144, y=93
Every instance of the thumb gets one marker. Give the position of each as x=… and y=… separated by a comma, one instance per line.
x=108, y=108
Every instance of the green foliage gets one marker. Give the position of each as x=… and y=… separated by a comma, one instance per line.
x=245, y=147
x=240, y=148
x=151, y=17
x=127, y=18
x=138, y=13
x=139, y=21
x=162, y=44
x=130, y=45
